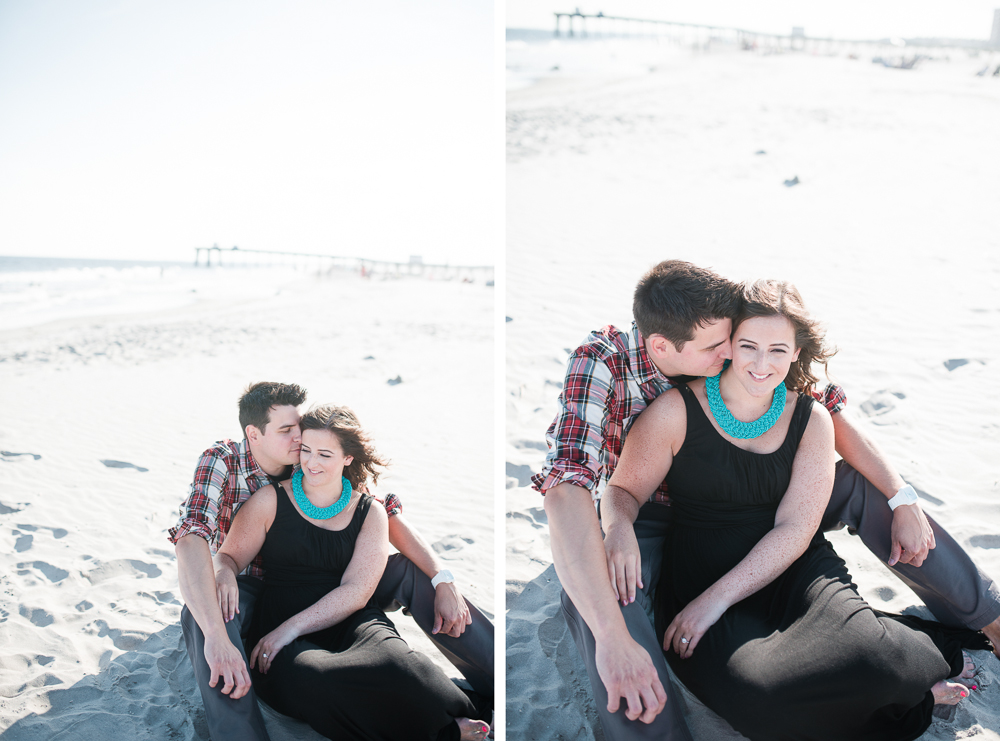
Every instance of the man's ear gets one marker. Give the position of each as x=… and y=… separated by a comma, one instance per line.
x=660, y=345
x=253, y=434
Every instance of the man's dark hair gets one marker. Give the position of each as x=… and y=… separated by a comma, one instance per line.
x=675, y=297
x=257, y=400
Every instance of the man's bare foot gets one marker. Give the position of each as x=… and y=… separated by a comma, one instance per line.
x=949, y=693
x=476, y=730
x=992, y=631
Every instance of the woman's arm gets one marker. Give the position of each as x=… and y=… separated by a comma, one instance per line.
x=243, y=542
x=356, y=587
x=795, y=523
x=649, y=451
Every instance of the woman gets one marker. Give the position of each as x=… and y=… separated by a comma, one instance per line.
x=323, y=652
x=758, y=614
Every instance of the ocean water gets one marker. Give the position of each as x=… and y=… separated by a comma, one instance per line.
x=37, y=290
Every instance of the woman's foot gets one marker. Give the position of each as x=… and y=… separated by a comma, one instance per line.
x=948, y=693
x=970, y=668
x=474, y=730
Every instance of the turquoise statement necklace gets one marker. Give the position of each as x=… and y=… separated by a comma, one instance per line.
x=310, y=509
x=737, y=428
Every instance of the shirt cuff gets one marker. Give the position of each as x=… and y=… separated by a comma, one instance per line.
x=188, y=527
x=832, y=397
x=544, y=481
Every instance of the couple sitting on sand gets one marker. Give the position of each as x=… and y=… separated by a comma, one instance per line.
x=289, y=505
x=753, y=610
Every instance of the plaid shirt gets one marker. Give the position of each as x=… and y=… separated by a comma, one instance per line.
x=225, y=477
x=610, y=380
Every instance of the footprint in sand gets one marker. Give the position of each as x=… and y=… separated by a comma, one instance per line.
x=881, y=402
x=451, y=543
x=124, y=640
x=532, y=445
x=985, y=541
x=84, y=606
x=534, y=517
x=23, y=542
x=123, y=464
x=954, y=363
x=5, y=510
x=518, y=475
x=57, y=532
x=885, y=594
x=130, y=568
x=52, y=573
x=6, y=455
x=37, y=617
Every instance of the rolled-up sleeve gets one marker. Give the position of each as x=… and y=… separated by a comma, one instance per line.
x=576, y=437
x=199, y=512
x=833, y=397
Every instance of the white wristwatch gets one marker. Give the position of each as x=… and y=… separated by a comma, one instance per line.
x=906, y=495
x=442, y=577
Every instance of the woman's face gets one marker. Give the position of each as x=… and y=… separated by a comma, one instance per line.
x=763, y=350
x=321, y=457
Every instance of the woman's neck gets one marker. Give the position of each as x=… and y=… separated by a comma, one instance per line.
x=324, y=496
x=738, y=401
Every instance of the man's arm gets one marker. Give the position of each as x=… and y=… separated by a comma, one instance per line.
x=625, y=667
x=451, y=613
x=912, y=536
x=196, y=575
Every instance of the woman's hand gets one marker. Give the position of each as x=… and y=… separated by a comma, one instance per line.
x=268, y=646
x=692, y=623
x=228, y=592
x=621, y=549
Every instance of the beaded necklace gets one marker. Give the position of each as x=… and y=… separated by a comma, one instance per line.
x=310, y=509
x=735, y=427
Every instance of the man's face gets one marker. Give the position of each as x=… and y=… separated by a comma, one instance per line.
x=702, y=356
x=278, y=445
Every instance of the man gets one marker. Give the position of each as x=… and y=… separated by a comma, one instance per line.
x=226, y=475
x=683, y=321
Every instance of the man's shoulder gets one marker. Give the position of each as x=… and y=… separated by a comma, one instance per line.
x=605, y=343
x=224, y=449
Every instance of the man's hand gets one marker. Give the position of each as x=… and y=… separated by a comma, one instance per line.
x=624, y=562
x=912, y=536
x=691, y=623
x=627, y=671
x=225, y=662
x=451, y=614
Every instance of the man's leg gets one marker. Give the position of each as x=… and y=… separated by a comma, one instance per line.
x=948, y=582
x=228, y=720
x=404, y=585
x=669, y=725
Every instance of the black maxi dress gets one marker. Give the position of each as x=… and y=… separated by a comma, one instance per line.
x=357, y=679
x=805, y=657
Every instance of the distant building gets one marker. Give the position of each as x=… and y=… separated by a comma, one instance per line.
x=995, y=36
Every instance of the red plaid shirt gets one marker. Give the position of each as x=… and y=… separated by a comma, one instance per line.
x=610, y=380
x=225, y=477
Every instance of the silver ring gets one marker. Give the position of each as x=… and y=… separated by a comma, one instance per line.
x=683, y=640
x=265, y=655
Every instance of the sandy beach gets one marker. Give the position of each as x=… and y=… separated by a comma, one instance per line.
x=105, y=415
x=872, y=189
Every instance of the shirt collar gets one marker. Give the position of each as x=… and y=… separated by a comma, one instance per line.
x=642, y=365
x=250, y=464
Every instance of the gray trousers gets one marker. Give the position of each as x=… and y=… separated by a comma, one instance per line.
x=403, y=585
x=948, y=582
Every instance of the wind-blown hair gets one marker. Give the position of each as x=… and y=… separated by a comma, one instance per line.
x=344, y=425
x=675, y=297
x=780, y=298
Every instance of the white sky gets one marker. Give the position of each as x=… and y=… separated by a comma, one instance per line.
x=861, y=19
x=141, y=129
